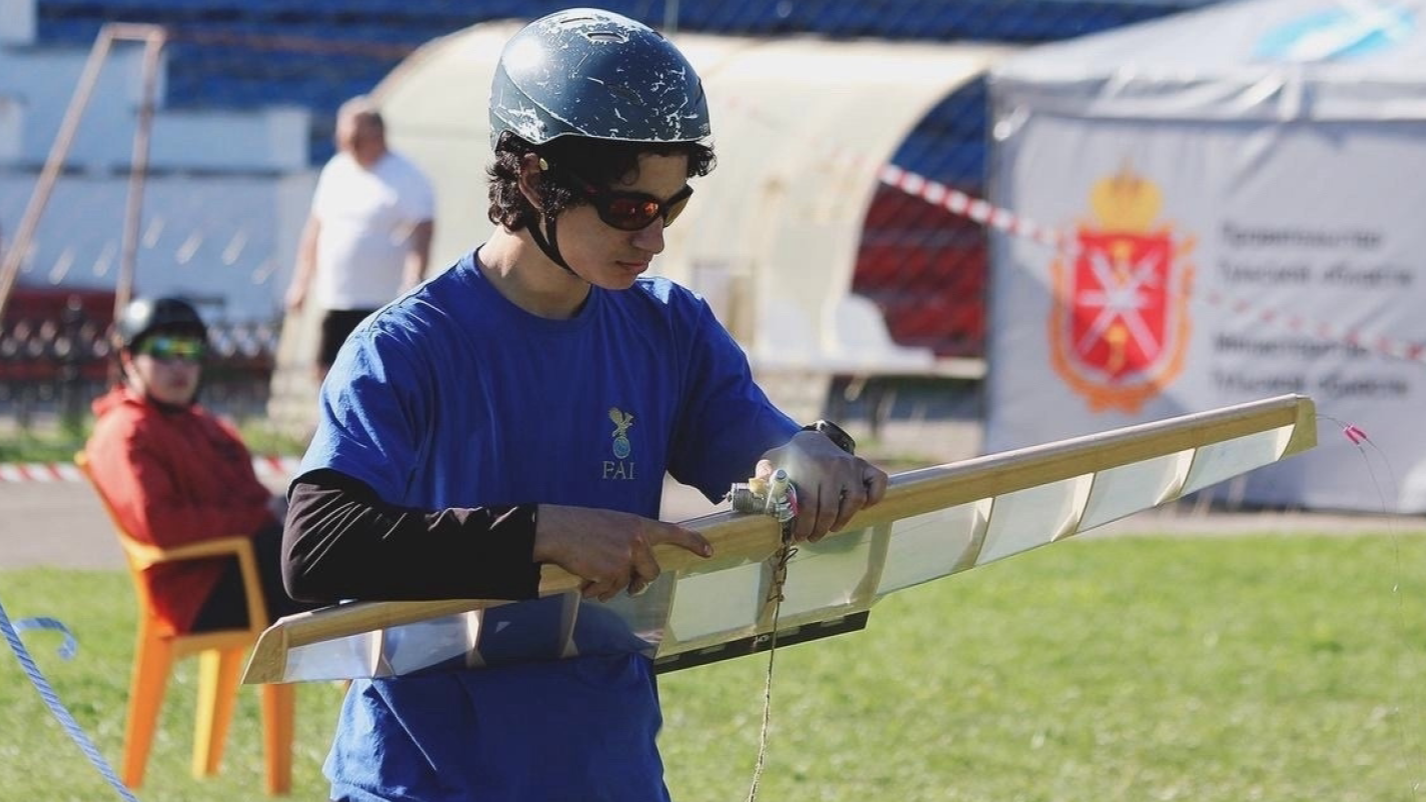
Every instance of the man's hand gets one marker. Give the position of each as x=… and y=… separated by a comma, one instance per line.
x=609, y=550
x=832, y=485
x=306, y=266
x=296, y=297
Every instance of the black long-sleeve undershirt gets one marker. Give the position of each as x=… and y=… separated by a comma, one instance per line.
x=343, y=542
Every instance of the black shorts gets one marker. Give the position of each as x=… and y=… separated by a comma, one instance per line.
x=227, y=607
x=336, y=325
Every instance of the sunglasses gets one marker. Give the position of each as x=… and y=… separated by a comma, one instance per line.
x=633, y=211
x=187, y=349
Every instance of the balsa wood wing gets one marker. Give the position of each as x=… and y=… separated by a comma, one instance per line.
x=934, y=522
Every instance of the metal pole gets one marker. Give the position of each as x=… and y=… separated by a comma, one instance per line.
x=71, y=364
x=138, y=171
x=670, y=17
x=10, y=266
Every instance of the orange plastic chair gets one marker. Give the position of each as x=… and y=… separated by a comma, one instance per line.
x=220, y=655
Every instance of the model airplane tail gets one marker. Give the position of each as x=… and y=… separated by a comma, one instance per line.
x=933, y=522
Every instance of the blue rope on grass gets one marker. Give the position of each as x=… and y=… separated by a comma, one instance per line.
x=66, y=651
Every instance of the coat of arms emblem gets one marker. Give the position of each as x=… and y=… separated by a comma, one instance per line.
x=1119, y=320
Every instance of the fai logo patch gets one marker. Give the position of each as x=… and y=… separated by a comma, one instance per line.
x=621, y=468
x=1119, y=319
x=622, y=422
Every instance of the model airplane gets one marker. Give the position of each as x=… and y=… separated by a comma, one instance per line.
x=933, y=522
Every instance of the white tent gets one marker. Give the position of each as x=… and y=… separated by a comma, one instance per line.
x=1238, y=193
x=801, y=127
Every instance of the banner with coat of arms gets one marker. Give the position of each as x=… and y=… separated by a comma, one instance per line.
x=1204, y=263
x=1119, y=321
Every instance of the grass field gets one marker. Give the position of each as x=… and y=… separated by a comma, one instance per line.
x=1130, y=668
x=58, y=444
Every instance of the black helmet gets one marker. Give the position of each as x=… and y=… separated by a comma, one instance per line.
x=143, y=316
x=587, y=72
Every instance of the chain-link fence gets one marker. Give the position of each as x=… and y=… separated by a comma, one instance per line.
x=252, y=53
x=227, y=231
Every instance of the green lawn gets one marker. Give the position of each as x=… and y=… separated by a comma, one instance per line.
x=260, y=435
x=1134, y=668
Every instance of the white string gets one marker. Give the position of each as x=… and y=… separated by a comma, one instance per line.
x=1357, y=438
x=779, y=577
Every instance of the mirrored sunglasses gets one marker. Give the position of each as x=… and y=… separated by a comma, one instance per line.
x=633, y=211
x=187, y=349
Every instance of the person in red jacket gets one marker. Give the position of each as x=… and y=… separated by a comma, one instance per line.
x=176, y=474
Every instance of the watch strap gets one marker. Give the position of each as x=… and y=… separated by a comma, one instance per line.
x=834, y=433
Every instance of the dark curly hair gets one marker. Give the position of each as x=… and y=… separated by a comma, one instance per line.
x=599, y=161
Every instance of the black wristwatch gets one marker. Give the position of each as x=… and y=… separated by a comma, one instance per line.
x=834, y=433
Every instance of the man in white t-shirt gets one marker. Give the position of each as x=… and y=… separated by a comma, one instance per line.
x=368, y=237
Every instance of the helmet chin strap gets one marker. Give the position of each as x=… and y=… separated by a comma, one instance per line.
x=550, y=246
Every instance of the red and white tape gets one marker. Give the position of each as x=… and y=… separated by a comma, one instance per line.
x=38, y=472
x=981, y=211
x=973, y=208
x=270, y=468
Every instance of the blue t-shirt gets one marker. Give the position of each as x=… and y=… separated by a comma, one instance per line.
x=452, y=396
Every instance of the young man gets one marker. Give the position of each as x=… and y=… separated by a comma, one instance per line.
x=177, y=474
x=522, y=408
x=368, y=237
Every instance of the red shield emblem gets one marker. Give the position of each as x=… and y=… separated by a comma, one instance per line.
x=1119, y=325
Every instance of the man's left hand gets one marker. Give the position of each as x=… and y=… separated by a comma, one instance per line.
x=832, y=485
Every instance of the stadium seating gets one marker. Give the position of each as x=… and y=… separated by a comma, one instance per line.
x=245, y=76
